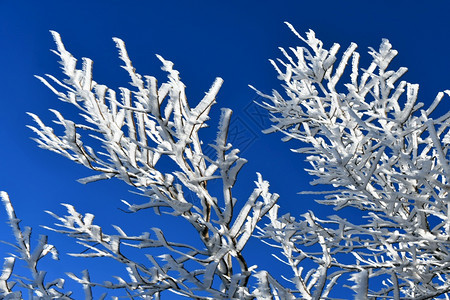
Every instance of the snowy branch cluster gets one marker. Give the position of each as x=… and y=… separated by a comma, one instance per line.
x=386, y=157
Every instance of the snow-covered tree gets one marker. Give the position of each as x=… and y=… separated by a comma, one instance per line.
x=385, y=156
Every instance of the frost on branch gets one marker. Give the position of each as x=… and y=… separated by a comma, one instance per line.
x=137, y=129
x=11, y=283
x=385, y=155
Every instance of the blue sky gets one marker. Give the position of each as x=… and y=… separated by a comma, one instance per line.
x=205, y=39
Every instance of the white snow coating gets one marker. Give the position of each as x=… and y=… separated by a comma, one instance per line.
x=367, y=138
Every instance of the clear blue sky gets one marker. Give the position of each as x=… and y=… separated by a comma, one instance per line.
x=205, y=39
